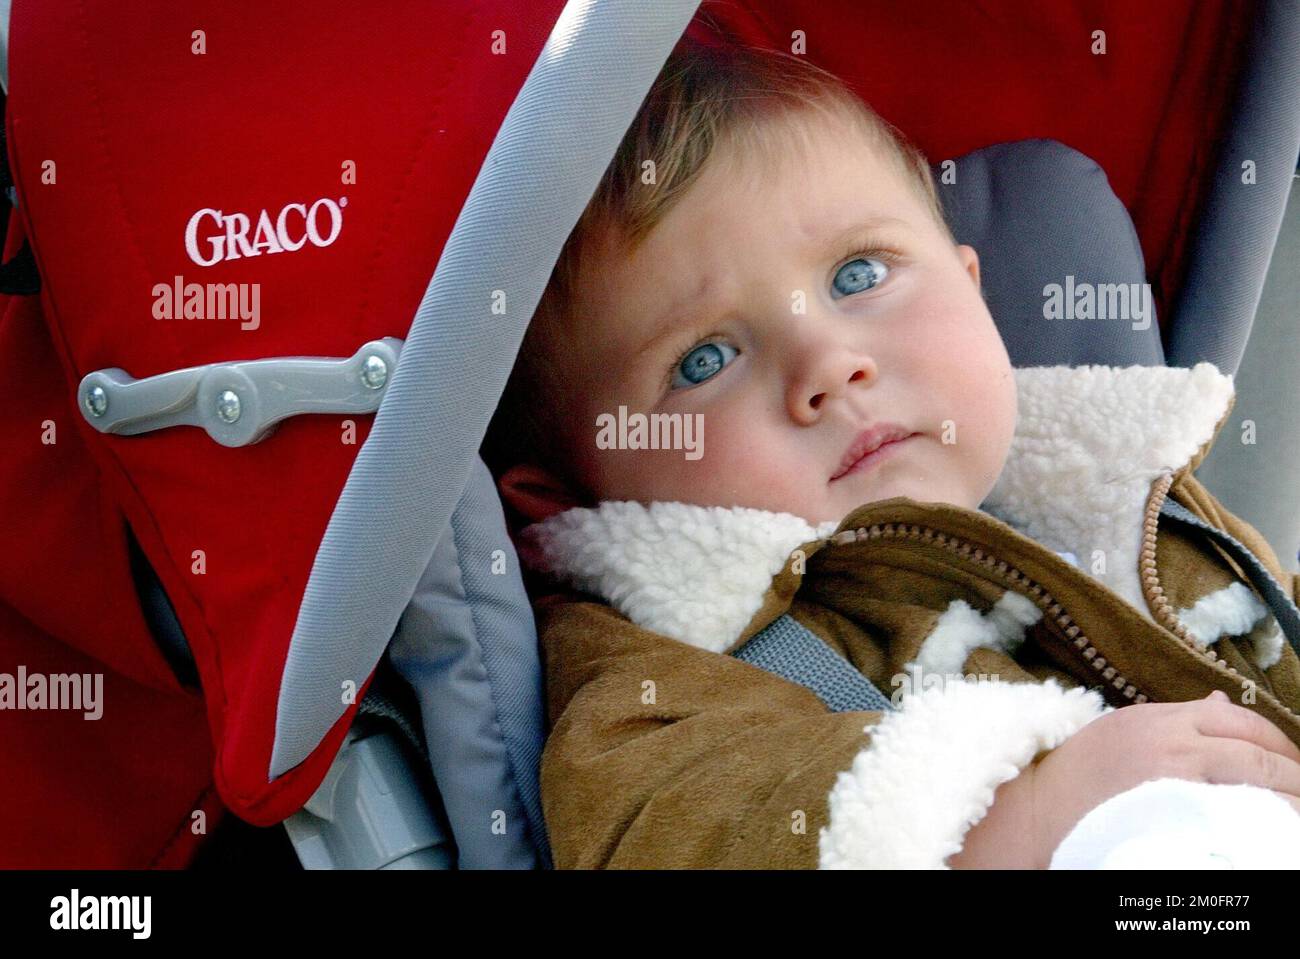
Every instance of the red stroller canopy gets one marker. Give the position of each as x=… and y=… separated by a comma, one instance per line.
x=144, y=130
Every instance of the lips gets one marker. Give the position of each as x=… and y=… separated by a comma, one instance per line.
x=868, y=442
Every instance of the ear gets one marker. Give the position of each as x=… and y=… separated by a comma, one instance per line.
x=971, y=261
x=536, y=493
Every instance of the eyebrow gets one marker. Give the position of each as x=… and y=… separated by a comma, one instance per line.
x=663, y=324
x=855, y=230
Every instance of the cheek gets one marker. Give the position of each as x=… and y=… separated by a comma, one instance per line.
x=737, y=451
x=964, y=365
x=737, y=446
x=741, y=463
x=961, y=344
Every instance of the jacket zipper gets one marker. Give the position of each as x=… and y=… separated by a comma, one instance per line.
x=1151, y=589
x=1013, y=578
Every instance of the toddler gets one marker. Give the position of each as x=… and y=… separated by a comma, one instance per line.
x=766, y=262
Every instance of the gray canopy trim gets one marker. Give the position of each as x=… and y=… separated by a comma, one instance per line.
x=548, y=156
x=238, y=403
x=5, y=7
x=1239, y=224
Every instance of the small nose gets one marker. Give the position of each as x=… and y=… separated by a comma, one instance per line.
x=829, y=378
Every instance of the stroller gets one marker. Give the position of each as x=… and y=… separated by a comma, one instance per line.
x=269, y=532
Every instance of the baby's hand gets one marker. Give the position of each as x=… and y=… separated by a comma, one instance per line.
x=1207, y=740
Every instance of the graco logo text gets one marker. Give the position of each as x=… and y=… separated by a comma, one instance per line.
x=212, y=236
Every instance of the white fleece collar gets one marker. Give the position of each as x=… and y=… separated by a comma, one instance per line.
x=1089, y=442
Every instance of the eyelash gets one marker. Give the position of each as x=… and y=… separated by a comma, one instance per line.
x=872, y=252
x=855, y=251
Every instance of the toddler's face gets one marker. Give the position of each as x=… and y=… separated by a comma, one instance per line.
x=795, y=307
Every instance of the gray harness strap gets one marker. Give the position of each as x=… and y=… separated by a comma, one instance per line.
x=1284, y=610
x=792, y=651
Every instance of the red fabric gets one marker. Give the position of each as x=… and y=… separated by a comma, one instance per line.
x=145, y=132
x=112, y=792
x=956, y=75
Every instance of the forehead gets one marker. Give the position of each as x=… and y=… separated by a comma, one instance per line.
x=792, y=186
x=788, y=147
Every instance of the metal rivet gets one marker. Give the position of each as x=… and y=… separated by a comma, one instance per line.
x=96, y=401
x=374, y=373
x=228, y=406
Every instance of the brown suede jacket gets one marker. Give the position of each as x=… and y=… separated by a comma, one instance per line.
x=993, y=646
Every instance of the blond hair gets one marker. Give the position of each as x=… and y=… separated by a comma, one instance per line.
x=704, y=97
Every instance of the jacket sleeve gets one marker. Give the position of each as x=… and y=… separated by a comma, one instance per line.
x=662, y=755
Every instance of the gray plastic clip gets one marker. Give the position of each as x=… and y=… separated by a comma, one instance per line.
x=370, y=813
x=239, y=402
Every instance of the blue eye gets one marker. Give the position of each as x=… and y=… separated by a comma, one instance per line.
x=858, y=275
x=702, y=363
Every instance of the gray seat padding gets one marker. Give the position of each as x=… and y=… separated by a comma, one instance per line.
x=1038, y=211
x=467, y=645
